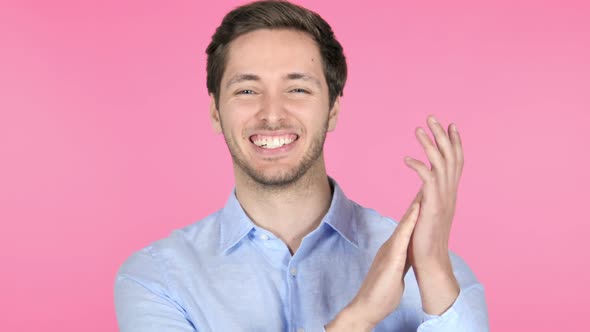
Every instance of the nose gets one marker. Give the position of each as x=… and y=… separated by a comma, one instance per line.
x=272, y=109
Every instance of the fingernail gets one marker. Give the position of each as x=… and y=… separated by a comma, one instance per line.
x=433, y=119
x=407, y=159
x=454, y=127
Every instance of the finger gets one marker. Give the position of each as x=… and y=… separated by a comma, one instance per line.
x=434, y=156
x=444, y=147
x=408, y=260
x=430, y=189
x=442, y=140
x=426, y=175
x=457, y=148
x=403, y=232
x=417, y=199
x=406, y=268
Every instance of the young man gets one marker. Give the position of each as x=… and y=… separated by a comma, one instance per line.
x=289, y=252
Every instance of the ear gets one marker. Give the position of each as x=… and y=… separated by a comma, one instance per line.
x=214, y=115
x=333, y=116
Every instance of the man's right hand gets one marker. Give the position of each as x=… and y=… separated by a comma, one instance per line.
x=382, y=289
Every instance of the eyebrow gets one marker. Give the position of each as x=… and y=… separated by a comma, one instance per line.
x=291, y=76
x=241, y=78
x=304, y=77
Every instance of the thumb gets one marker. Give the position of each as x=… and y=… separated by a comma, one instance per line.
x=403, y=232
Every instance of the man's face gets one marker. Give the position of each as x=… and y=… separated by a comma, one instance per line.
x=274, y=106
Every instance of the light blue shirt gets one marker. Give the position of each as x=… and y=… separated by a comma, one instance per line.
x=225, y=274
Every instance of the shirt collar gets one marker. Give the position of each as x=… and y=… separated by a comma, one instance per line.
x=235, y=224
x=341, y=216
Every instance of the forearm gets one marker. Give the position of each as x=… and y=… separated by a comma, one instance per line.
x=348, y=320
x=467, y=312
x=438, y=287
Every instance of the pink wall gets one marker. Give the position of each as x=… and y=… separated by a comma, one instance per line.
x=105, y=144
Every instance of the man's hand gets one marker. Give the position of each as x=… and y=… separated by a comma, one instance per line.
x=383, y=286
x=429, y=246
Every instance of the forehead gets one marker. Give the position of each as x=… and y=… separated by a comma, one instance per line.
x=273, y=53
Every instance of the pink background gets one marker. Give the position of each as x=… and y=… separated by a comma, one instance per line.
x=106, y=146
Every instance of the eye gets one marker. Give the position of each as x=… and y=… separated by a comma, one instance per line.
x=246, y=92
x=299, y=90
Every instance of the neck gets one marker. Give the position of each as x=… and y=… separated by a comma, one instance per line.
x=290, y=212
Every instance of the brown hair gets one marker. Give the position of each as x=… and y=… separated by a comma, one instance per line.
x=276, y=14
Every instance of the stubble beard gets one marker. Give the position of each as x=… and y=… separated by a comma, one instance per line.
x=287, y=177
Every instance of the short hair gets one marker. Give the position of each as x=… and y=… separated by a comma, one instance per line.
x=276, y=14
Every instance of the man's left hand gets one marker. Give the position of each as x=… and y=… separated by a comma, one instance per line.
x=429, y=247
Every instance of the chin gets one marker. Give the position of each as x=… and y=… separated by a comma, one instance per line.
x=276, y=178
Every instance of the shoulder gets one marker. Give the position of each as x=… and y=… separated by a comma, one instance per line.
x=149, y=264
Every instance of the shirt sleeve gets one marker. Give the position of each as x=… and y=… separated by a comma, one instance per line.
x=468, y=313
x=142, y=299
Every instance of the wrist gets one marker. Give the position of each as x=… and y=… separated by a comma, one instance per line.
x=350, y=319
x=438, y=289
x=433, y=265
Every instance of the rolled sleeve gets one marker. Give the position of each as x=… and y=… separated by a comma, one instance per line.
x=468, y=313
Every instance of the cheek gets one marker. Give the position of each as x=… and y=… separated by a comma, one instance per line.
x=312, y=114
x=234, y=115
x=239, y=110
x=244, y=103
x=305, y=108
x=300, y=102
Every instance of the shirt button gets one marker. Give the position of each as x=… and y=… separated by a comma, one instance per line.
x=263, y=237
x=300, y=329
x=294, y=273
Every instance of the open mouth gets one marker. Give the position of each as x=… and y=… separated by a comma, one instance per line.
x=273, y=142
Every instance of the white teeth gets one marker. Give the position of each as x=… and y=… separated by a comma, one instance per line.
x=273, y=142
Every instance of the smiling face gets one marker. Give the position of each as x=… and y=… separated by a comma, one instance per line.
x=274, y=107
